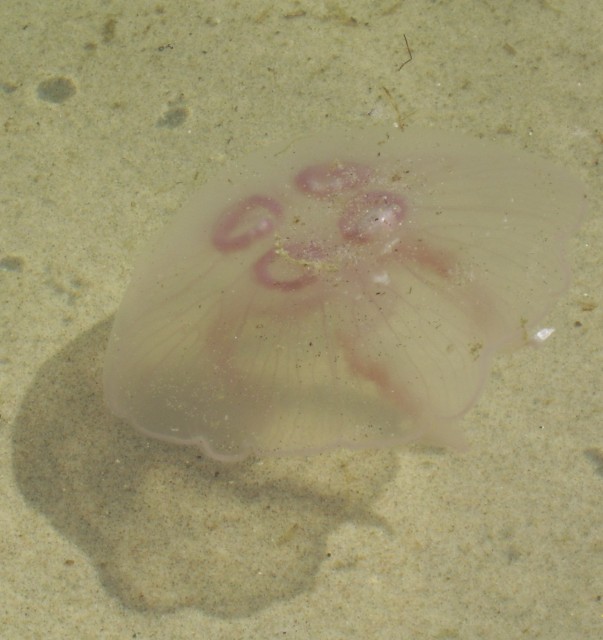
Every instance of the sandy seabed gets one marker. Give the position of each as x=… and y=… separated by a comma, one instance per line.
x=112, y=115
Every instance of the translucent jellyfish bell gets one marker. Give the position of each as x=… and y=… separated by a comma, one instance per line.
x=345, y=290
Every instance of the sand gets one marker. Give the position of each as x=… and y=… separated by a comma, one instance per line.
x=112, y=114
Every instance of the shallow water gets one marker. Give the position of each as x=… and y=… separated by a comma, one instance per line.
x=112, y=117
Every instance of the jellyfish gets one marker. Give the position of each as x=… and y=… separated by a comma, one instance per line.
x=349, y=289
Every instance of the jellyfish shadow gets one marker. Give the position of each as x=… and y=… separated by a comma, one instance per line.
x=165, y=526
